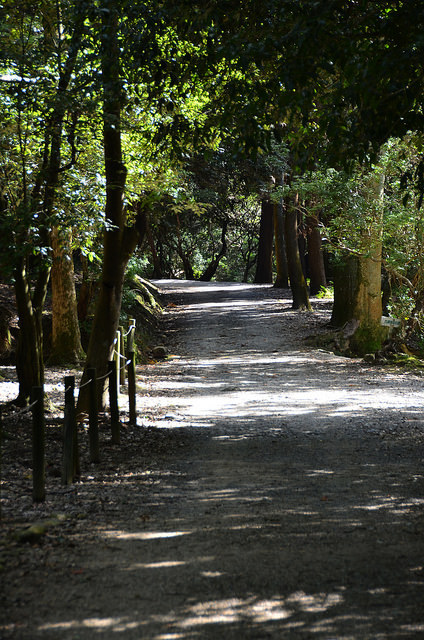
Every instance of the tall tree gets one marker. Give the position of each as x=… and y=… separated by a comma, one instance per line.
x=123, y=228
x=315, y=256
x=296, y=276
x=357, y=292
x=282, y=278
x=33, y=47
x=265, y=248
x=66, y=337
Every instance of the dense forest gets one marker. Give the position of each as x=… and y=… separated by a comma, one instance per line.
x=272, y=142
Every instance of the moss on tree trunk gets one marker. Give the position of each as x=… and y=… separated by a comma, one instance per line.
x=357, y=282
x=66, y=338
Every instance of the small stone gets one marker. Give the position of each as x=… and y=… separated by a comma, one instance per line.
x=32, y=534
x=369, y=358
x=159, y=352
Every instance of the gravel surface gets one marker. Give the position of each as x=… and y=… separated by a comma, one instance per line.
x=270, y=490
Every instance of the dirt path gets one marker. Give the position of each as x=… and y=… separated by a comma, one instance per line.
x=273, y=491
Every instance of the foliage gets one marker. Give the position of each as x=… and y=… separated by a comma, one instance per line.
x=341, y=202
x=40, y=102
x=325, y=292
x=217, y=101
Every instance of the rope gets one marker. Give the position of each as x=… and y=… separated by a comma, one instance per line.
x=85, y=384
x=129, y=330
x=119, y=354
x=104, y=377
x=21, y=412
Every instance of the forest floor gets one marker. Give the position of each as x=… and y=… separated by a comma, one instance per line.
x=270, y=489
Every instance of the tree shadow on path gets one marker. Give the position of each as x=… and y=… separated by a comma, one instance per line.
x=286, y=499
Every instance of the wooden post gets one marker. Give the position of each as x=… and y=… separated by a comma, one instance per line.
x=117, y=357
x=122, y=356
x=130, y=338
x=113, y=399
x=38, y=444
x=132, y=389
x=70, y=466
x=1, y=449
x=93, y=415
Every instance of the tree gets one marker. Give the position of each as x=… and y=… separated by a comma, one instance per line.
x=296, y=277
x=66, y=338
x=265, y=248
x=123, y=228
x=357, y=287
x=336, y=78
x=223, y=188
x=31, y=174
x=316, y=266
x=331, y=79
x=282, y=278
x=212, y=267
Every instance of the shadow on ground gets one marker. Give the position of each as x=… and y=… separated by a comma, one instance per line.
x=269, y=491
x=257, y=538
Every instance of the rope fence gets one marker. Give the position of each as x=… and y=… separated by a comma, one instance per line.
x=70, y=459
x=21, y=412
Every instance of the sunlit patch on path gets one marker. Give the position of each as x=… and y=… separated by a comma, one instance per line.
x=249, y=368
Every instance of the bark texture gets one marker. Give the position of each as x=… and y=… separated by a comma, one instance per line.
x=357, y=283
x=297, y=279
x=66, y=338
x=315, y=257
x=29, y=348
x=266, y=235
x=30, y=300
x=282, y=279
x=120, y=239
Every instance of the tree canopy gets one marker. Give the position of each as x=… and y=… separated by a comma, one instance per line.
x=115, y=112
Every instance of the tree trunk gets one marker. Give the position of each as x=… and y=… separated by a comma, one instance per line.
x=119, y=240
x=266, y=236
x=297, y=279
x=86, y=292
x=301, y=241
x=210, y=270
x=188, y=269
x=282, y=280
x=29, y=348
x=249, y=263
x=157, y=266
x=66, y=338
x=346, y=284
x=5, y=337
x=357, y=283
x=315, y=257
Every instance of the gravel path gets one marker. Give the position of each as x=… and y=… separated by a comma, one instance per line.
x=271, y=490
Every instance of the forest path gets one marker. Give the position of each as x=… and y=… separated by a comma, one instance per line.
x=304, y=501
x=284, y=497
